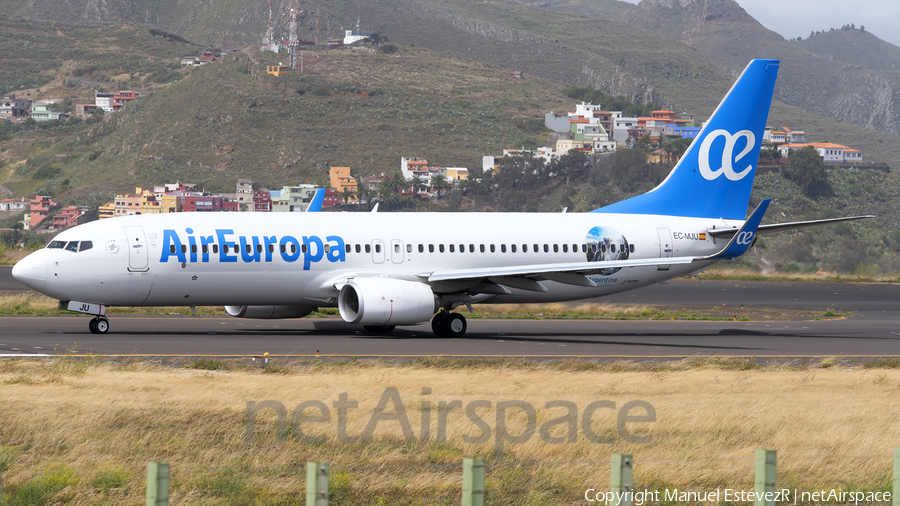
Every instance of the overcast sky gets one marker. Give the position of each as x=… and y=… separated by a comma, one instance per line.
x=796, y=18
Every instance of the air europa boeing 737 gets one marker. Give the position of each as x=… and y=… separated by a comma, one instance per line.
x=388, y=269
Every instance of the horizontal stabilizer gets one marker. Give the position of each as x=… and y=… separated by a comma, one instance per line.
x=784, y=227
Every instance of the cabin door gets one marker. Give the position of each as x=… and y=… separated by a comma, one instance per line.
x=665, y=246
x=138, y=256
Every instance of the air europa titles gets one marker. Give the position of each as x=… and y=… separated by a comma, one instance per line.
x=250, y=249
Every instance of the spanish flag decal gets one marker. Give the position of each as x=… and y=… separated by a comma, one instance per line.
x=702, y=236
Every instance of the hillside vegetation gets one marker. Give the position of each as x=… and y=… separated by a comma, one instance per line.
x=351, y=107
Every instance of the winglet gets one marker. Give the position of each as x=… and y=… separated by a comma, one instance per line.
x=315, y=206
x=743, y=238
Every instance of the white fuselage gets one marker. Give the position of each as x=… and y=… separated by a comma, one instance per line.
x=190, y=259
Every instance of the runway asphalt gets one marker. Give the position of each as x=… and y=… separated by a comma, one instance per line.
x=871, y=332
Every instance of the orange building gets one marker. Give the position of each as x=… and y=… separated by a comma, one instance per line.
x=341, y=179
x=40, y=209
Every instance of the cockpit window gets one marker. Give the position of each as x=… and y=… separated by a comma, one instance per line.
x=56, y=244
x=72, y=246
x=85, y=245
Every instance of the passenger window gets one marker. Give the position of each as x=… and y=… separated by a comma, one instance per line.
x=215, y=248
x=565, y=248
x=258, y=248
x=62, y=244
x=293, y=248
x=472, y=248
x=452, y=248
x=327, y=248
x=368, y=248
x=225, y=248
x=72, y=246
x=271, y=248
x=556, y=248
x=421, y=248
x=358, y=249
x=283, y=248
x=492, y=248
x=347, y=248
x=612, y=248
x=462, y=248
x=441, y=248
x=512, y=248
x=602, y=248
x=431, y=248
x=482, y=248
x=377, y=248
x=184, y=248
x=584, y=248
x=502, y=248
x=396, y=248
x=206, y=249
x=172, y=249
x=535, y=248
x=631, y=248
x=574, y=248
x=247, y=247
x=302, y=248
x=524, y=248
x=194, y=249
x=546, y=249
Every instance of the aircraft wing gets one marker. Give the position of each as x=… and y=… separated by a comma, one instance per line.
x=574, y=272
x=783, y=227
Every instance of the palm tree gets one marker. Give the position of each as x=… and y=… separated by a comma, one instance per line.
x=347, y=195
x=440, y=184
x=416, y=183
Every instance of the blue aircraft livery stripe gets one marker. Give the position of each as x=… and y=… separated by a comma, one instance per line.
x=250, y=249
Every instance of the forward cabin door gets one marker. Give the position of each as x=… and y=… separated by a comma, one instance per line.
x=665, y=246
x=138, y=256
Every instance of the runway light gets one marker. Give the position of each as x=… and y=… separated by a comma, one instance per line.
x=317, y=353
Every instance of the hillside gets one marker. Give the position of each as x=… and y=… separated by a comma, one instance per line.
x=723, y=32
x=854, y=47
x=352, y=107
x=43, y=58
x=629, y=52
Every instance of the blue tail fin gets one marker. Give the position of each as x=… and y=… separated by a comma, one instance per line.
x=715, y=176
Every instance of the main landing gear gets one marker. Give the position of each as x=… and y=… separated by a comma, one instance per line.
x=99, y=325
x=447, y=324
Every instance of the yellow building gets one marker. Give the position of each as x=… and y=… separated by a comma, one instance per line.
x=457, y=173
x=276, y=70
x=170, y=204
x=108, y=210
x=341, y=179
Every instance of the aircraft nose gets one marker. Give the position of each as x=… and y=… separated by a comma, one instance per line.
x=31, y=271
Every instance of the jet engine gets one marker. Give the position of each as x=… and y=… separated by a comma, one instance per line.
x=386, y=301
x=269, y=312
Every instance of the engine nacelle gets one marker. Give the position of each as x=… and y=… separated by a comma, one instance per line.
x=269, y=312
x=386, y=301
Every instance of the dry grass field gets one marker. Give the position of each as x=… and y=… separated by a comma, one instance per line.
x=82, y=431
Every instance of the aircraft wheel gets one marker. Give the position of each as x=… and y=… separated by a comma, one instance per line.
x=102, y=325
x=93, y=326
x=455, y=325
x=439, y=324
x=379, y=329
